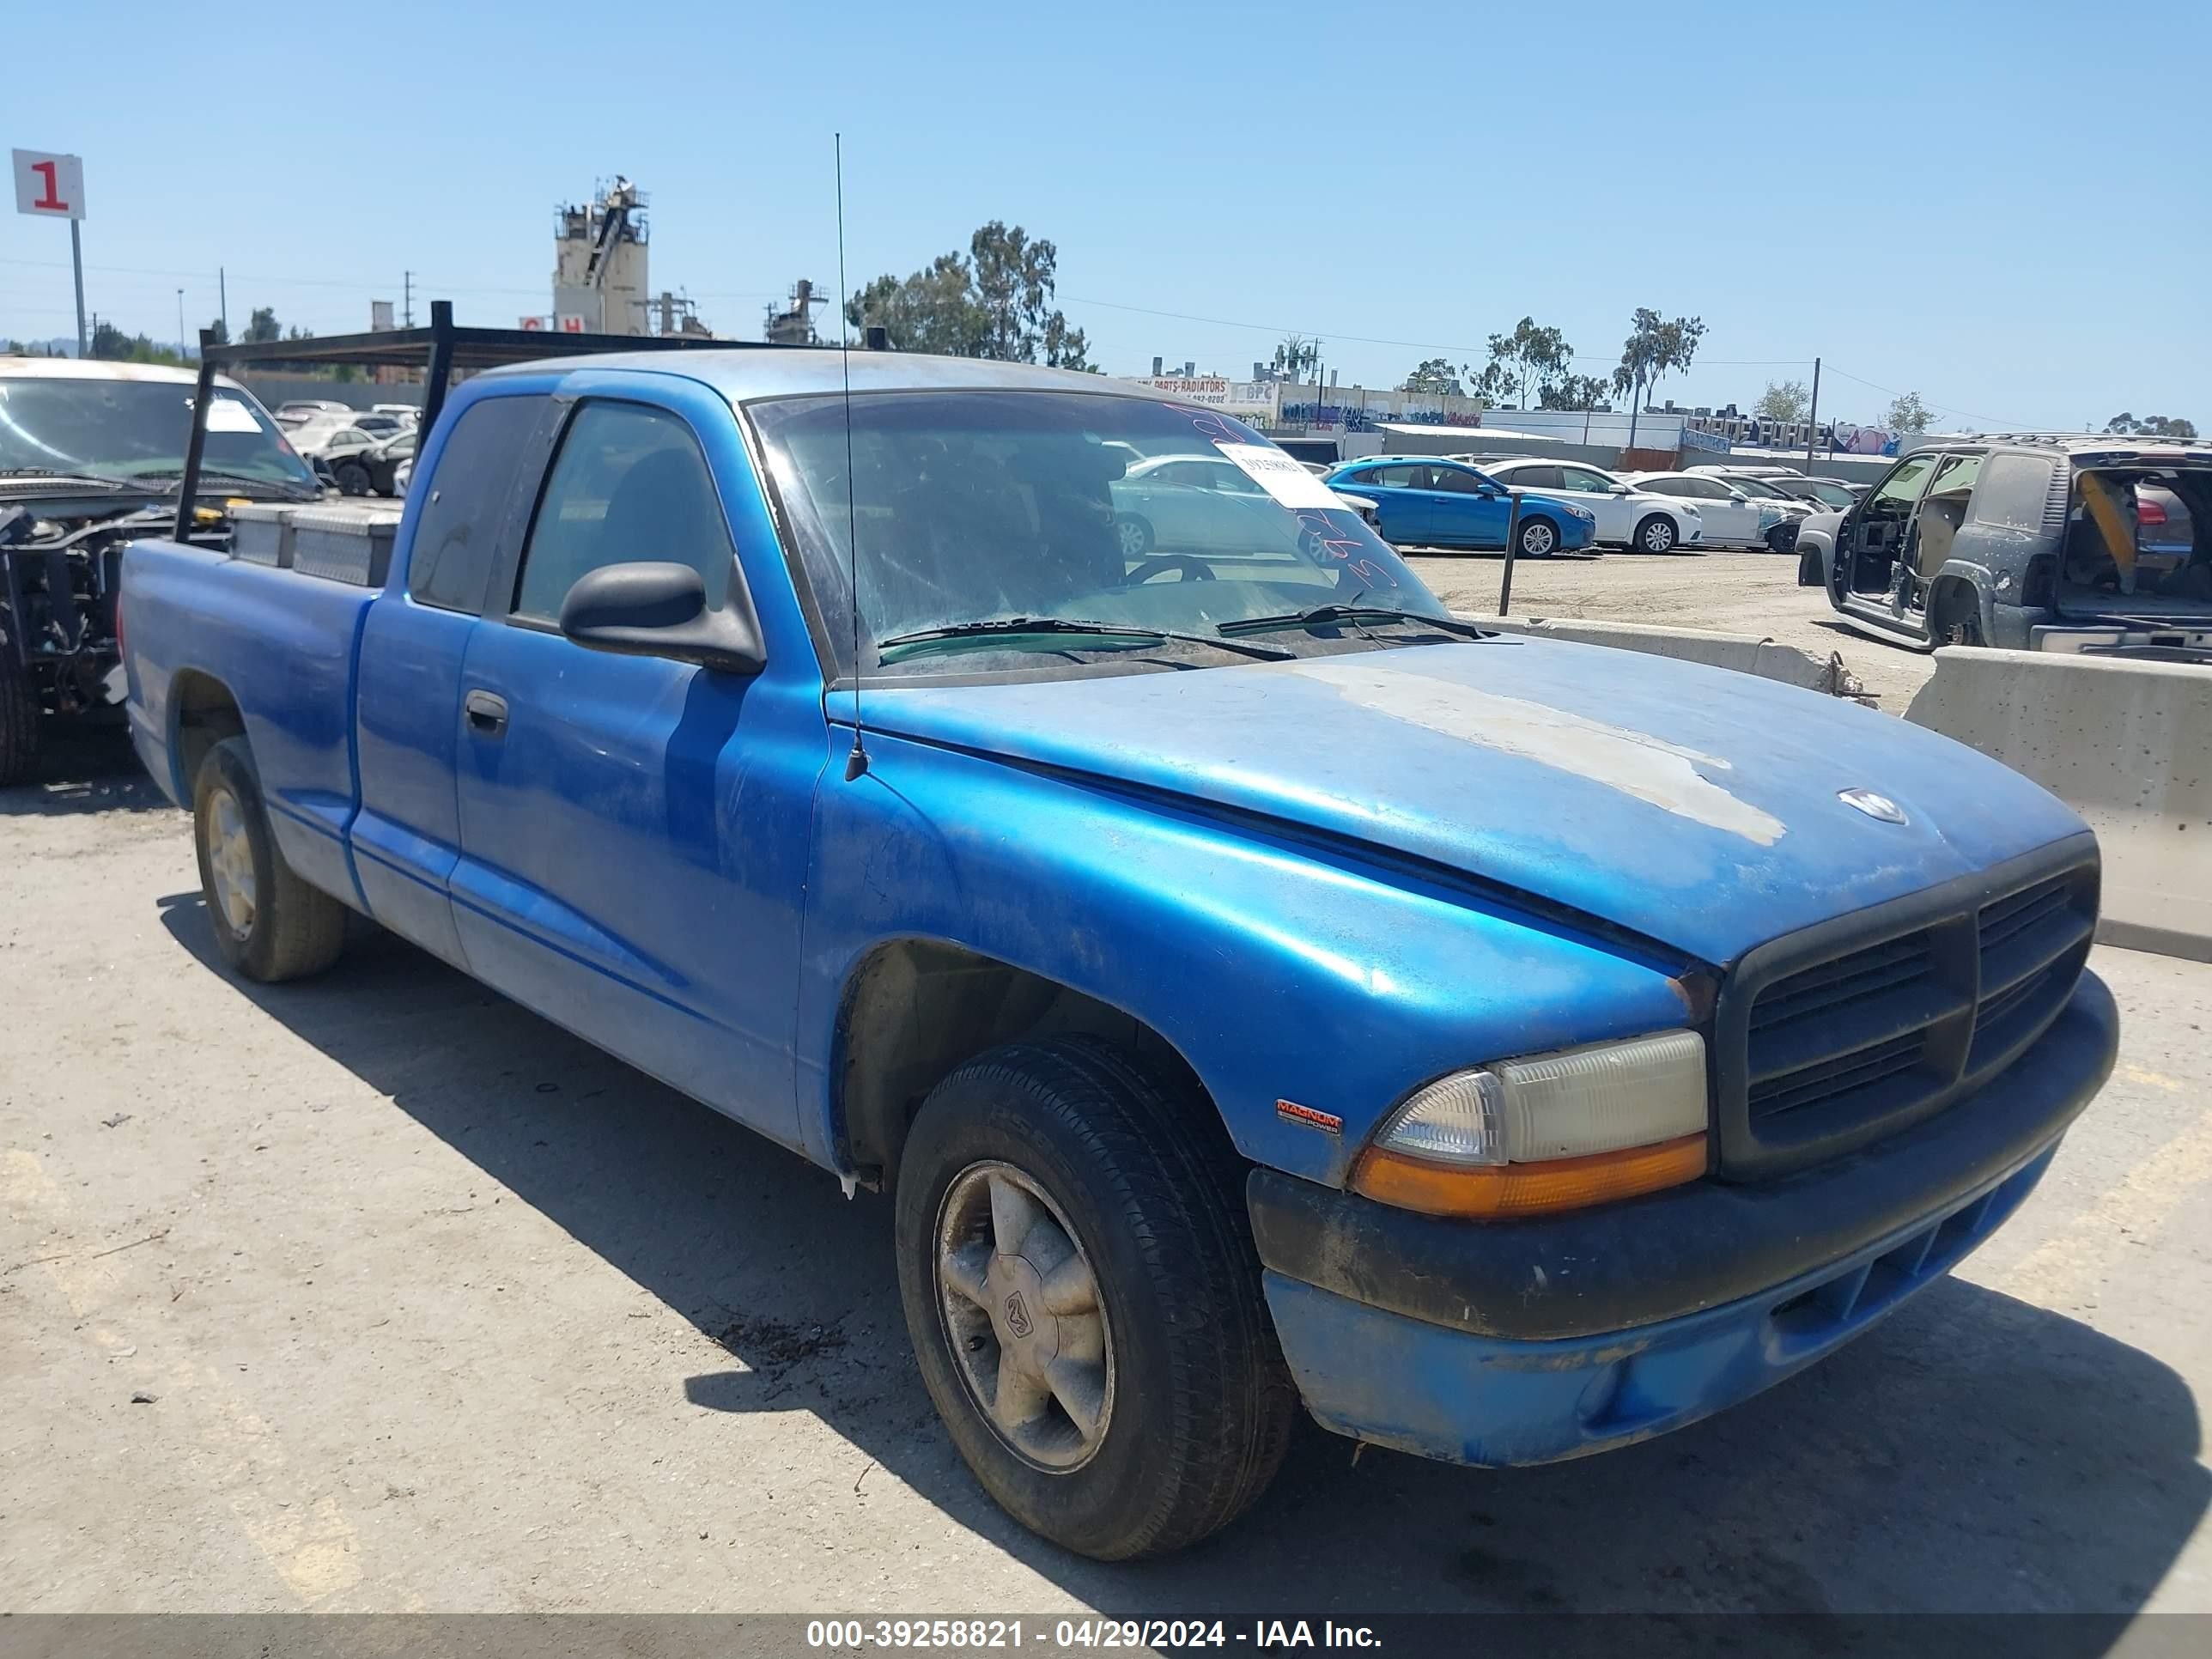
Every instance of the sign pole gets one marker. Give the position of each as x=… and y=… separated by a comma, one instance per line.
x=76, y=262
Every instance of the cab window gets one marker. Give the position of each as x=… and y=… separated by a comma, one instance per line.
x=630, y=485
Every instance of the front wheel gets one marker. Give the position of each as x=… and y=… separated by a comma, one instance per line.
x=1656, y=534
x=352, y=478
x=1539, y=538
x=269, y=923
x=1135, y=535
x=1080, y=1286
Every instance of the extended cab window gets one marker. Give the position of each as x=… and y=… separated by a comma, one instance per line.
x=457, y=537
x=630, y=485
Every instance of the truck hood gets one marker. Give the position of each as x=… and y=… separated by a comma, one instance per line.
x=1697, y=806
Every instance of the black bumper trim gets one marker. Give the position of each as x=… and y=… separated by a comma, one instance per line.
x=1692, y=1247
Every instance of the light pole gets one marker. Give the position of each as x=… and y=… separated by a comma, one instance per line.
x=184, y=353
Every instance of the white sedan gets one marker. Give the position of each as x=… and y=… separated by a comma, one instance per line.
x=1733, y=517
x=1627, y=516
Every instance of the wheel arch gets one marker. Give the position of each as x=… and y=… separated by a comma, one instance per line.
x=202, y=712
x=1959, y=591
x=914, y=1008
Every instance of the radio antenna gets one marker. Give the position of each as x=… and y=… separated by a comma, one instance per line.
x=856, y=762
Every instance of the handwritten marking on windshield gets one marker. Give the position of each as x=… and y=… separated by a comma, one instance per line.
x=1647, y=769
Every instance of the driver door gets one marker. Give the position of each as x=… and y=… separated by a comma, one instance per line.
x=1466, y=510
x=1877, y=530
x=634, y=829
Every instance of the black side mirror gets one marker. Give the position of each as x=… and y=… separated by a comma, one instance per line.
x=660, y=611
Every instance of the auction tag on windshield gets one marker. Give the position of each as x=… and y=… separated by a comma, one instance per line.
x=229, y=415
x=1280, y=477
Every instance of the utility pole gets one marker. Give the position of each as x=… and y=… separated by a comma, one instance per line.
x=223, y=301
x=184, y=345
x=76, y=260
x=1813, y=415
x=407, y=303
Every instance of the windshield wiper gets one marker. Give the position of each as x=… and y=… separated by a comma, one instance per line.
x=172, y=476
x=1322, y=616
x=48, y=473
x=1015, y=625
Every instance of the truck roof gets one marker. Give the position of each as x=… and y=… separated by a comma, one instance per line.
x=748, y=373
x=72, y=368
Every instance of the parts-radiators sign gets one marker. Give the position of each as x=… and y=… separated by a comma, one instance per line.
x=1246, y=399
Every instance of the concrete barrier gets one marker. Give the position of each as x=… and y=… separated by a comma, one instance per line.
x=2128, y=745
x=1746, y=654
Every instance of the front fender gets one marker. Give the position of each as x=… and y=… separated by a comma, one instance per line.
x=1279, y=966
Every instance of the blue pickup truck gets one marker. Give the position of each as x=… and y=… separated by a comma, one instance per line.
x=1256, y=986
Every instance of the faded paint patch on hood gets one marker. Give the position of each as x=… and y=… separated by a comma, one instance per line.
x=1666, y=775
x=1694, y=805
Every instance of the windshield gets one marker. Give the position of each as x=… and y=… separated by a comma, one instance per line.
x=987, y=505
x=1833, y=494
x=133, y=430
x=1764, y=490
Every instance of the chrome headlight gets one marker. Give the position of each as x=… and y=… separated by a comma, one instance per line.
x=1549, y=1132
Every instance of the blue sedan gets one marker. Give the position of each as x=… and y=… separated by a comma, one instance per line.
x=1421, y=501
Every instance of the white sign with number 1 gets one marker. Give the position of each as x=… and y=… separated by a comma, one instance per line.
x=50, y=186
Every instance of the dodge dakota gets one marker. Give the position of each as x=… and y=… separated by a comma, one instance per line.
x=1256, y=988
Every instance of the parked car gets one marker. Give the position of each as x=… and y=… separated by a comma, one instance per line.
x=348, y=450
x=2030, y=543
x=405, y=414
x=1253, y=984
x=383, y=460
x=1733, y=517
x=91, y=454
x=300, y=411
x=1432, y=502
x=1625, y=516
x=402, y=476
x=1820, y=495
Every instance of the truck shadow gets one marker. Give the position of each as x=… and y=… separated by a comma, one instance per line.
x=83, y=766
x=1974, y=1454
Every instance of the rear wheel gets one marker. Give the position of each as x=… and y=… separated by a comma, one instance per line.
x=1080, y=1287
x=1539, y=538
x=353, y=479
x=1135, y=534
x=18, y=726
x=1655, y=535
x=268, y=923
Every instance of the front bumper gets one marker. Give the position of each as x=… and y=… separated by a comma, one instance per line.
x=1501, y=1344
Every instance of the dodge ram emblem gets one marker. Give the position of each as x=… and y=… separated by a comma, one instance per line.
x=1874, y=806
x=1018, y=1315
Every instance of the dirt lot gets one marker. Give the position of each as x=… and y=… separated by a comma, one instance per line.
x=1734, y=593
x=378, y=1293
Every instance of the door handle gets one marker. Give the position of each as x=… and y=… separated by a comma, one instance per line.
x=487, y=714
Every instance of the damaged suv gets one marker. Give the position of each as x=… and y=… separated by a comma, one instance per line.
x=2096, y=544
x=90, y=457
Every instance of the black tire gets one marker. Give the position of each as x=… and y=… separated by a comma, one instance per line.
x=352, y=478
x=289, y=929
x=1135, y=531
x=1543, y=534
x=21, y=726
x=1656, y=534
x=1198, y=1406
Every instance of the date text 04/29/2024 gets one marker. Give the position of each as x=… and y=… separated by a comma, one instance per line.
x=1071, y=1634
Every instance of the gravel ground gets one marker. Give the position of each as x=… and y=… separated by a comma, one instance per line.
x=378, y=1293
x=1754, y=593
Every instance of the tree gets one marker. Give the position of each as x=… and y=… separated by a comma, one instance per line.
x=1435, y=375
x=995, y=300
x=2151, y=426
x=1785, y=402
x=1655, y=347
x=262, y=326
x=1295, y=355
x=1527, y=359
x=1574, y=392
x=1908, y=414
x=220, y=330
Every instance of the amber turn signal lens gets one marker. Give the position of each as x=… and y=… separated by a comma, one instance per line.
x=1501, y=1191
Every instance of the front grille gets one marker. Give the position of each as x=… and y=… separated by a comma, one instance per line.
x=1830, y=1038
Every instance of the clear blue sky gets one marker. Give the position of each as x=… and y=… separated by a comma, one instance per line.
x=2003, y=205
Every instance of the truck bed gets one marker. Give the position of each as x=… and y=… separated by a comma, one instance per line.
x=285, y=644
